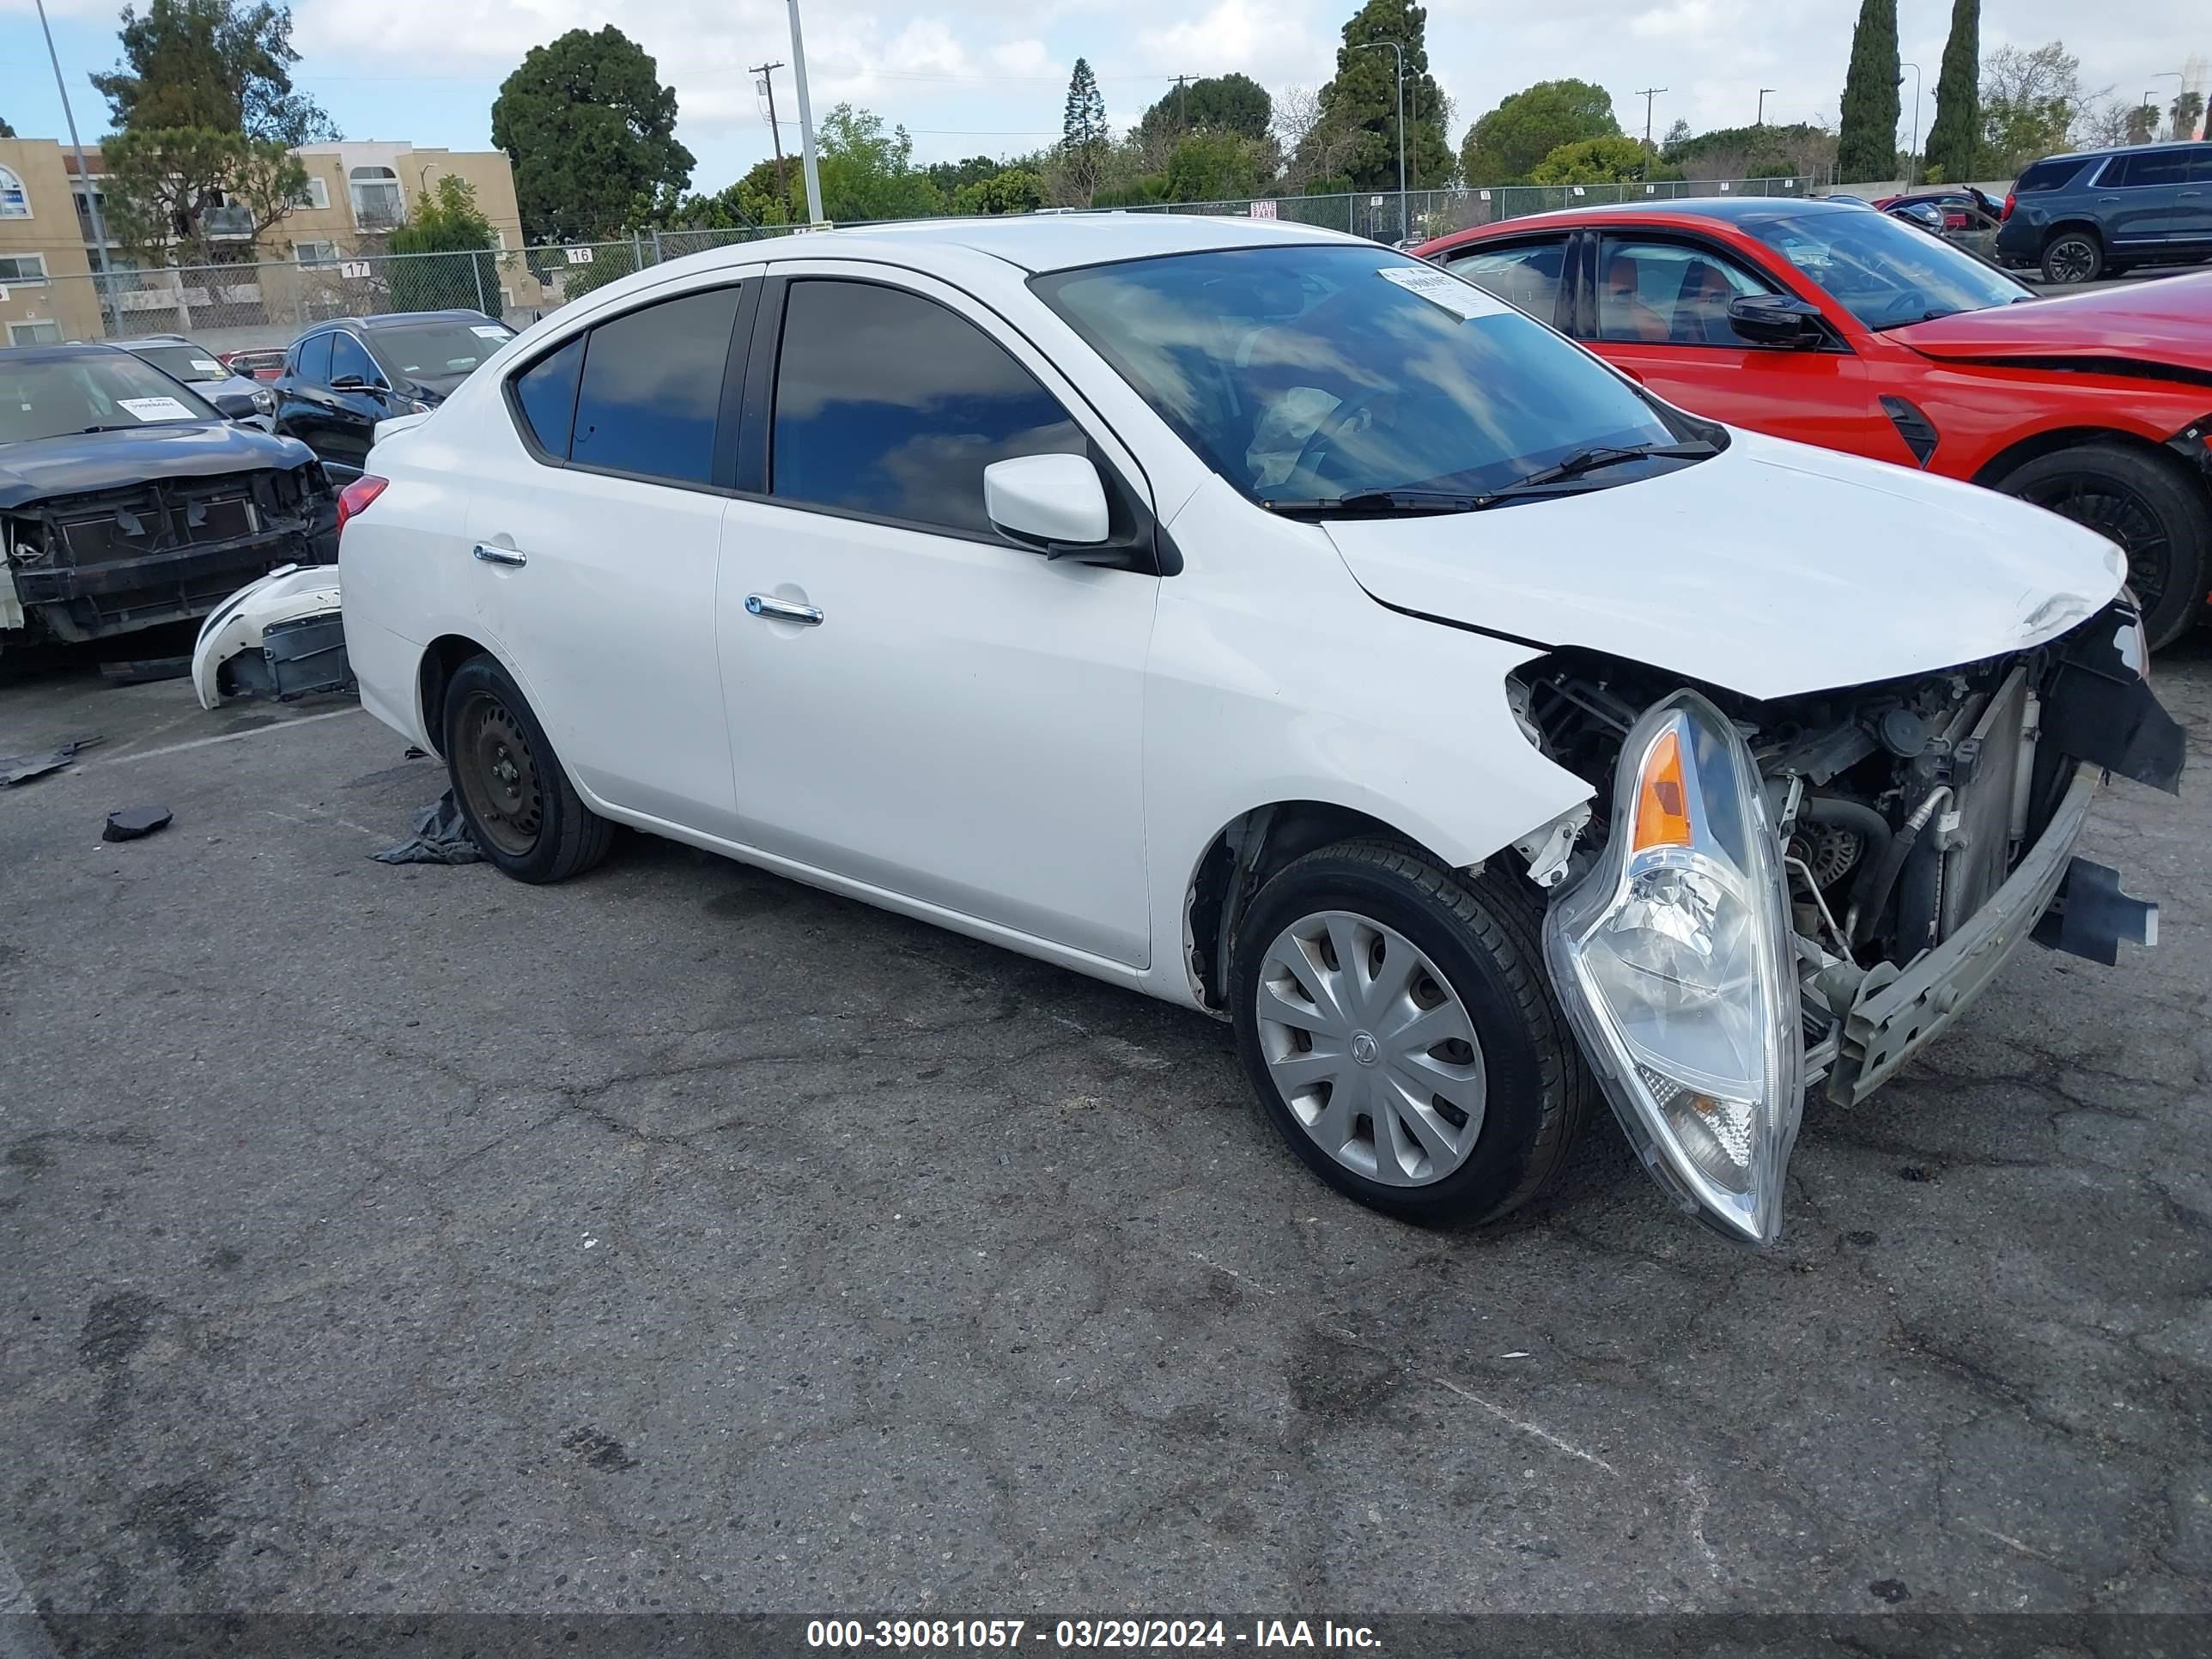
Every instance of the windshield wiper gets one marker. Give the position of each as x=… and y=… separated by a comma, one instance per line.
x=107, y=428
x=1381, y=503
x=1590, y=460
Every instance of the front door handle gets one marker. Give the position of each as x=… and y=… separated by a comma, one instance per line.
x=760, y=604
x=507, y=555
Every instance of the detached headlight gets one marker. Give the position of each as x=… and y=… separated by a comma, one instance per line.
x=1674, y=959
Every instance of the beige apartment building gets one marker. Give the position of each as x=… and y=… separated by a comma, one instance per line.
x=321, y=259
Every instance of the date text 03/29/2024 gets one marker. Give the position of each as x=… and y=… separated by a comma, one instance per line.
x=1124, y=1633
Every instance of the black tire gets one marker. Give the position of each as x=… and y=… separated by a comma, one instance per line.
x=522, y=811
x=2147, y=503
x=1484, y=937
x=2072, y=256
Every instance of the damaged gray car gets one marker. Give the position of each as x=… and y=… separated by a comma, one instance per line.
x=127, y=501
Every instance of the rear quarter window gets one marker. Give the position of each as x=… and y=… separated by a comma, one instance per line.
x=2049, y=175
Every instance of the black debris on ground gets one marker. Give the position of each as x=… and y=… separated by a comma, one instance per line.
x=146, y=671
x=135, y=822
x=21, y=768
x=441, y=836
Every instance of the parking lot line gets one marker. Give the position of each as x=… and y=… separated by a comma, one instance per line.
x=225, y=736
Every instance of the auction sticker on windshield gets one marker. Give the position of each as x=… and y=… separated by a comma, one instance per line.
x=155, y=408
x=1442, y=288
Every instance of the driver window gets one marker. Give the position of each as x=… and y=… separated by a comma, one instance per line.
x=1668, y=293
x=348, y=356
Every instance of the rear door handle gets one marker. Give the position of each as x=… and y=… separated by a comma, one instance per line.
x=506, y=555
x=760, y=604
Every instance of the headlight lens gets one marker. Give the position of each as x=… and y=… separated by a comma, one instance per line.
x=265, y=402
x=1674, y=959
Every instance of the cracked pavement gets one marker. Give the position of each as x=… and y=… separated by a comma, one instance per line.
x=397, y=1239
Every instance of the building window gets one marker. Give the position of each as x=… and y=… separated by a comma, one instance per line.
x=316, y=195
x=39, y=331
x=23, y=268
x=377, y=203
x=315, y=253
x=14, y=200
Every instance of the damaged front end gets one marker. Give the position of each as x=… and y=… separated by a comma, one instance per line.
x=1773, y=895
x=113, y=561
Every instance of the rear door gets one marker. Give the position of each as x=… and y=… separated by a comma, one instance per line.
x=595, y=527
x=1657, y=304
x=2149, y=200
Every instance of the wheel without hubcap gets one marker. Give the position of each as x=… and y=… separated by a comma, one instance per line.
x=498, y=774
x=1374, y=1054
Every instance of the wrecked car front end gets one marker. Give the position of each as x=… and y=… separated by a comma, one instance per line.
x=1774, y=897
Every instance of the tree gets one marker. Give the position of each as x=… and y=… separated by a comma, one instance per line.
x=1215, y=165
x=869, y=173
x=1226, y=103
x=1363, y=99
x=1868, y=147
x=456, y=266
x=1755, y=152
x=1677, y=134
x=1608, y=161
x=1082, y=135
x=2142, y=123
x=6, y=131
x=2030, y=101
x=221, y=64
x=2188, y=110
x=949, y=179
x=1954, y=140
x=1009, y=190
x=591, y=135
x=196, y=195
x=1315, y=145
x=1504, y=145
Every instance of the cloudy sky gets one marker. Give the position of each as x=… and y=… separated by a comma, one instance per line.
x=988, y=76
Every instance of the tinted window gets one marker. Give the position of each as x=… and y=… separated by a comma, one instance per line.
x=545, y=392
x=2150, y=167
x=888, y=402
x=1669, y=292
x=652, y=385
x=1527, y=276
x=99, y=392
x=2048, y=175
x=1884, y=272
x=439, y=355
x=350, y=356
x=189, y=363
x=315, y=361
x=1314, y=371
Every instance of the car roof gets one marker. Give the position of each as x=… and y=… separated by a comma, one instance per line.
x=1730, y=209
x=386, y=319
x=57, y=354
x=2116, y=149
x=1041, y=242
x=137, y=340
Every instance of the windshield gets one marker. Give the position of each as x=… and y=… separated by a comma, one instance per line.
x=95, y=393
x=192, y=364
x=1313, y=372
x=1884, y=273
x=440, y=353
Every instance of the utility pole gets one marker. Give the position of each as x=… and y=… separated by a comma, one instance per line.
x=1912, y=149
x=83, y=177
x=767, y=73
x=805, y=120
x=1647, y=94
x=1182, y=103
x=1397, y=52
x=1761, y=120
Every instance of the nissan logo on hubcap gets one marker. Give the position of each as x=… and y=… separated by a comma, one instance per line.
x=1364, y=1049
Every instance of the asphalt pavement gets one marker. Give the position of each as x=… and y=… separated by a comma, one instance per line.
x=392, y=1239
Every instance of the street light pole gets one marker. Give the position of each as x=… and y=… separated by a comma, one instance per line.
x=1761, y=121
x=1912, y=151
x=83, y=177
x=2168, y=75
x=1398, y=52
x=805, y=119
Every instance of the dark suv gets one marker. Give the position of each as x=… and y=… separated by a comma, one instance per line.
x=2082, y=217
x=342, y=377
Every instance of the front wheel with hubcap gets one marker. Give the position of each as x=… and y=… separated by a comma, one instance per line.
x=2147, y=503
x=2073, y=257
x=1399, y=1029
x=523, y=813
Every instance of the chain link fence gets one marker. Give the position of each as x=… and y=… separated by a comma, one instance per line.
x=237, y=306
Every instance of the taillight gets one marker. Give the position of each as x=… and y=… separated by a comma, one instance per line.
x=356, y=496
x=2009, y=199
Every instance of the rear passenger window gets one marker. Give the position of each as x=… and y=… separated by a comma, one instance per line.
x=2148, y=167
x=313, y=364
x=1527, y=276
x=545, y=396
x=2048, y=175
x=888, y=403
x=652, y=386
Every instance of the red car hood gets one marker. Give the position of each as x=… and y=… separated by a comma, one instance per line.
x=2168, y=321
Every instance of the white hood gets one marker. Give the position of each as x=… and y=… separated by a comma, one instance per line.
x=1771, y=569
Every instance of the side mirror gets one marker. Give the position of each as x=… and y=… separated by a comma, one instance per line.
x=1055, y=503
x=348, y=383
x=1775, y=320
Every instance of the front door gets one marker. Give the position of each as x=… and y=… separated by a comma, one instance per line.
x=357, y=399
x=1661, y=312
x=915, y=702
x=596, y=529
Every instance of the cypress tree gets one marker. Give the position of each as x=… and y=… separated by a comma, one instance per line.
x=1956, y=137
x=1867, y=149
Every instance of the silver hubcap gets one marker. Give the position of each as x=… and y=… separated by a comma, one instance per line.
x=1370, y=1048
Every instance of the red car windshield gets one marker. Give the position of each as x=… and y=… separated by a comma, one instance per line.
x=1884, y=273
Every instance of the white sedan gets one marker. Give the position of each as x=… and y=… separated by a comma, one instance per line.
x=1267, y=622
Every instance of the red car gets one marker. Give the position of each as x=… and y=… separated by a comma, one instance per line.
x=260, y=365
x=1836, y=325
